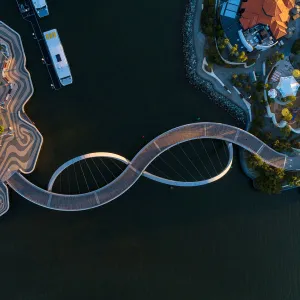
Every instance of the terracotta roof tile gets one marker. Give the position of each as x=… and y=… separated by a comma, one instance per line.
x=274, y=13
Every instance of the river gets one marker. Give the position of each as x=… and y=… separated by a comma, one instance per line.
x=222, y=241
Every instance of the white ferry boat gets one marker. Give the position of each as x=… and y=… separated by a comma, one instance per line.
x=58, y=57
x=41, y=8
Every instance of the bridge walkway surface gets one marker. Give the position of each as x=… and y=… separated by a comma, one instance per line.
x=142, y=160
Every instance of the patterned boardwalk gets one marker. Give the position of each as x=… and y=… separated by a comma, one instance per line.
x=21, y=141
x=141, y=161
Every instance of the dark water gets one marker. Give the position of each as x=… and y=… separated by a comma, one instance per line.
x=222, y=241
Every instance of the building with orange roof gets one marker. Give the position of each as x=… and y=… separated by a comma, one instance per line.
x=273, y=13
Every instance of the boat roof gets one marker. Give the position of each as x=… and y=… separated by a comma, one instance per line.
x=39, y=3
x=57, y=53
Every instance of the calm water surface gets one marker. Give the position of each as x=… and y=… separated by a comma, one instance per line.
x=223, y=241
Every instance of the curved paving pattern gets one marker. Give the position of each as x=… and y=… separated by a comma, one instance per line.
x=20, y=150
x=141, y=161
x=21, y=142
x=145, y=173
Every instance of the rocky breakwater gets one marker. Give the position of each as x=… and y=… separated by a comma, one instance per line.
x=191, y=63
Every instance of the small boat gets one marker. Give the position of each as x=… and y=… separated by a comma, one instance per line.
x=58, y=57
x=41, y=8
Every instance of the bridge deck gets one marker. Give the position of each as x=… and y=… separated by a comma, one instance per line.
x=142, y=159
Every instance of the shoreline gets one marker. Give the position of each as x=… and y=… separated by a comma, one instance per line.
x=193, y=57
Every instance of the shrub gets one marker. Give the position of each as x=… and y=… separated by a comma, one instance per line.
x=296, y=47
x=286, y=131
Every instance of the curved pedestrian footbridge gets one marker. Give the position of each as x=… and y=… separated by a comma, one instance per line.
x=137, y=166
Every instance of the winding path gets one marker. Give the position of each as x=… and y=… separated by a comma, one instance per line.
x=21, y=142
x=142, y=160
x=20, y=150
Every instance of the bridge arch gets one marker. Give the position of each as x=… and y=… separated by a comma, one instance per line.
x=142, y=160
x=145, y=173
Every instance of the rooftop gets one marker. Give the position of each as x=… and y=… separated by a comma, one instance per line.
x=39, y=3
x=57, y=53
x=274, y=13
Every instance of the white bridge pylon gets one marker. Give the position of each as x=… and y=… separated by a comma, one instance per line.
x=148, y=175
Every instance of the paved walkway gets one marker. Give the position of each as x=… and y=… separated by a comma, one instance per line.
x=18, y=151
x=199, y=42
x=21, y=141
x=225, y=74
x=142, y=160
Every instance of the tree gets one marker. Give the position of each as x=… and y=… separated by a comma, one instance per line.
x=247, y=88
x=208, y=30
x=221, y=46
x=278, y=56
x=242, y=76
x=268, y=136
x=234, y=76
x=296, y=73
x=286, y=131
x=296, y=144
x=234, y=49
x=288, y=117
x=293, y=180
x=291, y=98
x=1, y=129
x=268, y=184
x=219, y=32
x=259, y=86
x=296, y=47
x=242, y=57
x=282, y=146
x=275, y=58
x=226, y=41
x=254, y=161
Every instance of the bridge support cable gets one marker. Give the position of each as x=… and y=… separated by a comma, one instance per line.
x=113, y=161
x=200, y=159
x=99, y=171
x=225, y=149
x=107, y=168
x=84, y=176
x=162, y=172
x=208, y=157
x=76, y=179
x=68, y=175
x=60, y=182
x=182, y=164
x=91, y=173
x=172, y=168
x=191, y=161
x=217, y=154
